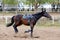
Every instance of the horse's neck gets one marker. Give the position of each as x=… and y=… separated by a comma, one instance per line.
x=38, y=16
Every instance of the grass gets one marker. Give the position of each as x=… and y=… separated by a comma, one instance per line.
x=48, y=24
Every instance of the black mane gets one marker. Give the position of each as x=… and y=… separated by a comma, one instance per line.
x=37, y=15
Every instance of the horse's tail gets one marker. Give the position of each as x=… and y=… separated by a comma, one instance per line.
x=12, y=21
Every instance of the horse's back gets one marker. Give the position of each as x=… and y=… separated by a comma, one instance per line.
x=18, y=17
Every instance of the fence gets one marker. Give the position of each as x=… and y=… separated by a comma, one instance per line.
x=5, y=17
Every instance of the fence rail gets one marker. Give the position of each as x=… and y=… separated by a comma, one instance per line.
x=5, y=17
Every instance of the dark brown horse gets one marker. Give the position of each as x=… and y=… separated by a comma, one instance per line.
x=29, y=21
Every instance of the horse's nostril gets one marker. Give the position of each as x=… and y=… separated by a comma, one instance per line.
x=50, y=18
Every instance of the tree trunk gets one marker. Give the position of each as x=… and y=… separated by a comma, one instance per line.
x=36, y=5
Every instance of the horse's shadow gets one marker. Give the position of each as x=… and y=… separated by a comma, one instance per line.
x=26, y=36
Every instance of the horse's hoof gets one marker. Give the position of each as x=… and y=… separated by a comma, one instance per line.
x=26, y=32
x=16, y=31
x=32, y=37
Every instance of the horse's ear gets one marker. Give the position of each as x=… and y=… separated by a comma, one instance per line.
x=43, y=10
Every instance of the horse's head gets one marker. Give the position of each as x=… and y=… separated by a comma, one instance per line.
x=45, y=14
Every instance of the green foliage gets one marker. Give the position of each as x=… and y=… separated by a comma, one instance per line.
x=30, y=1
x=42, y=1
x=12, y=2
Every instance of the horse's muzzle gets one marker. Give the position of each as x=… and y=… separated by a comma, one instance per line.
x=51, y=18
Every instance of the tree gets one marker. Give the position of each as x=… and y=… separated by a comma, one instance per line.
x=9, y=2
x=36, y=2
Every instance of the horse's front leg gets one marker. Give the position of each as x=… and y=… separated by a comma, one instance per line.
x=32, y=30
x=15, y=28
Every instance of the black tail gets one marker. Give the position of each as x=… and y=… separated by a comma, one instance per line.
x=12, y=21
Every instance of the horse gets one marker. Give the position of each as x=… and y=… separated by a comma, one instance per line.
x=18, y=20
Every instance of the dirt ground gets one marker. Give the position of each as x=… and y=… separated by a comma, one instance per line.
x=40, y=33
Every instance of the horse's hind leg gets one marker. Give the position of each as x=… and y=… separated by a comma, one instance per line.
x=15, y=28
x=28, y=31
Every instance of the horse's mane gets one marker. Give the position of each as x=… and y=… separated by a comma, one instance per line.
x=37, y=15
